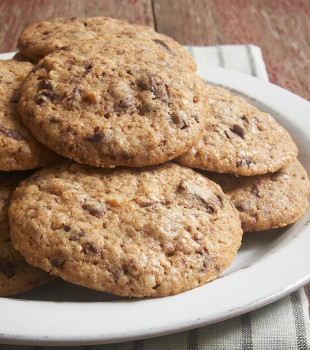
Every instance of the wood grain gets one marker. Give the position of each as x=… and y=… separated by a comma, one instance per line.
x=280, y=28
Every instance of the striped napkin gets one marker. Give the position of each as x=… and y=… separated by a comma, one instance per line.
x=283, y=324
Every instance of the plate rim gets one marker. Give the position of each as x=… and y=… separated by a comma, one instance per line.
x=260, y=91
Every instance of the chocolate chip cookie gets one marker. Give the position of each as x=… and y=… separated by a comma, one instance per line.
x=268, y=201
x=16, y=276
x=239, y=139
x=19, y=149
x=152, y=231
x=114, y=103
x=42, y=38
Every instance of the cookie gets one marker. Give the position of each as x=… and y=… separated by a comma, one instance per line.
x=152, y=231
x=268, y=201
x=19, y=149
x=41, y=39
x=16, y=276
x=239, y=139
x=114, y=103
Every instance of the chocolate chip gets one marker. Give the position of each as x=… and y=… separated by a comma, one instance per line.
x=146, y=204
x=244, y=162
x=245, y=119
x=57, y=261
x=184, y=125
x=195, y=116
x=97, y=136
x=191, y=193
x=76, y=236
x=67, y=228
x=206, y=204
x=6, y=268
x=69, y=128
x=45, y=85
x=166, y=202
x=254, y=191
x=115, y=272
x=154, y=84
x=93, y=211
x=203, y=251
x=45, y=93
x=179, y=121
x=226, y=134
x=64, y=48
x=164, y=45
x=144, y=108
x=13, y=134
x=126, y=156
x=88, y=68
x=73, y=98
x=239, y=208
x=238, y=130
x=204, y=267
x=217, y=267
x=54, y=120
x=90, y=248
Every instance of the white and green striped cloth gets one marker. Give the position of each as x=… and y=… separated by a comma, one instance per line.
x=282, y=325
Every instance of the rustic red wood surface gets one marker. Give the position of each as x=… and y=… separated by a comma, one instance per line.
x=280, y=28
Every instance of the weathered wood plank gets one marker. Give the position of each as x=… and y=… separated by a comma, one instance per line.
x=15, y=15
x=280, y=28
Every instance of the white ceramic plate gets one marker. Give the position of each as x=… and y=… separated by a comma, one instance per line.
x=269, y=265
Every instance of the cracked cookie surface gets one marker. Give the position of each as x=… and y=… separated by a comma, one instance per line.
x=19, y=149
x=42, y=38
x=239, y=139
x=136, y=232
x=268, y=201
x=117, y=103
x=16, y=276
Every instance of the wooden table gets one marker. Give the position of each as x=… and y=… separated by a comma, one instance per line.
x=280, y=28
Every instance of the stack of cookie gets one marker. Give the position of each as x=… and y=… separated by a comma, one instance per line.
x=124, y=130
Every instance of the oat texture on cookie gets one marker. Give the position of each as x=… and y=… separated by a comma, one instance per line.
x=153, y=231
x=268, y=201
x=41, y=39
x=19, y=149
x=114, y=104
x=239, y=139
x=16, y=275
